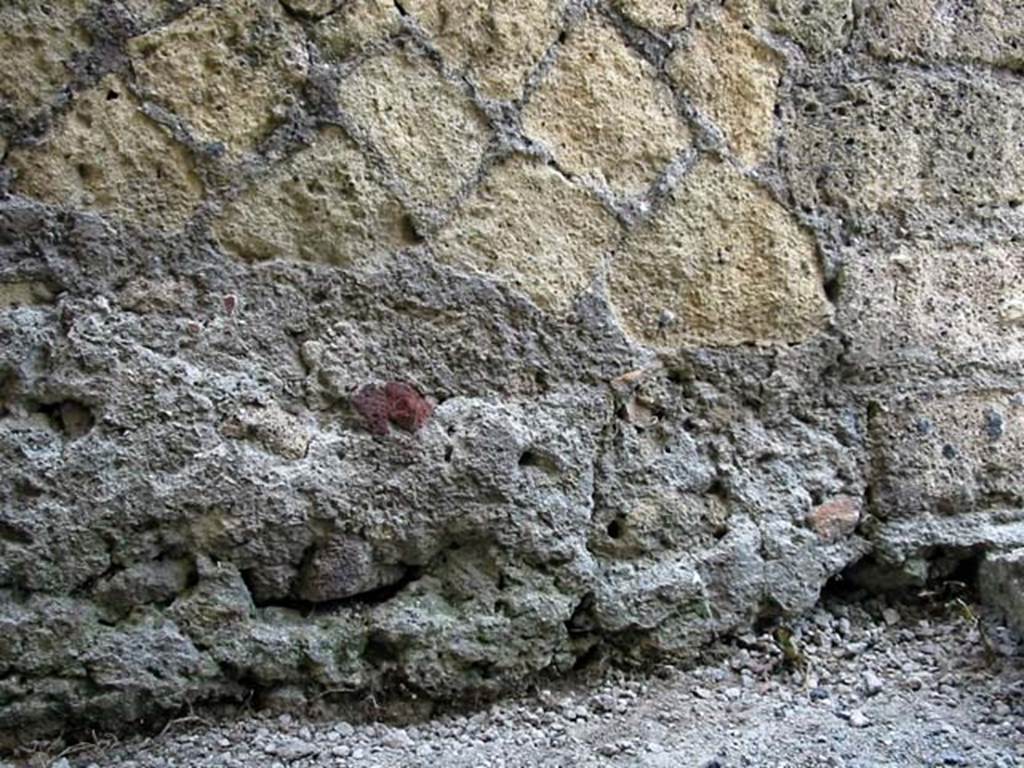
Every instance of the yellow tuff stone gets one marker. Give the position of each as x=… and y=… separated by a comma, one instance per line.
x=24, y=293
x=430, y=133
x=108, y=156
x=732, y=77
x=604, y=115
x=325, y=204
x=498, y=44
x=656, y=15
x=531, y=227
x=230, y=70
x=37, y=43
x=721, y=263
x=355, y=26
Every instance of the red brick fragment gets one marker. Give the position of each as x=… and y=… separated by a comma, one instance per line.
x=407, y=408
x=396, y=402
x=371, y=402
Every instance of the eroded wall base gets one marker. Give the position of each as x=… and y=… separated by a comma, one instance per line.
x=360, y=347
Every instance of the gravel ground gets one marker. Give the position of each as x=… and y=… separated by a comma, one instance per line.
x=861, y=685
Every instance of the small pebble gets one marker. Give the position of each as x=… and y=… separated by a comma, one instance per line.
x=858, y=719
x=873, y=684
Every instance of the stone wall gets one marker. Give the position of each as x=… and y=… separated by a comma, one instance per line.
x=421, y=348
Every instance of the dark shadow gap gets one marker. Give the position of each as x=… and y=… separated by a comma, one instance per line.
x=371, y=597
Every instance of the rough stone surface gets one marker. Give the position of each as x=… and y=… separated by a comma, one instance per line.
x=343, y=567
x=107, y=155
x=733, y=77
x=497, y=44
x=150, y=13
x=950, y=454
x=24, y=293
x=231, y=70
x=313, y=8
x=430, y=134
x=272, y=428
x=919, y=152
x=620, y=129
x=835, y=518
x=988, y=32
x=355, y=26
x=933, y=694
x=529, y=225
x=39, y=42
x=820, y=27
x=1001, y=580
x=658, y=15
x=340, y=362
x=923, y=304
x=325, y=204
x=685, y=276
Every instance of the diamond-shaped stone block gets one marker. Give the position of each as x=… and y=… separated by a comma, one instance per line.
x=106, y=155
x=230, y=70
x=527, y=224
x=430, y=133
x=721, y=263
x=603, y=113
x=325, y=204
x=733, y=78
x=355, y=26
x=497, y=44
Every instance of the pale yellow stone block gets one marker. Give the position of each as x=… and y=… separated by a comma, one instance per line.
x=430, y=133
x=230, y=70
x=720, y=264
x=603, y=113
x=106, y=155
x=531, y=227
x=325, y=204
x=37, y=42
x=733, y=78
x=497, y=44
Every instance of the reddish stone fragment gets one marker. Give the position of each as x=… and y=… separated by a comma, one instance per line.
x=395, y=402
x=372, y=403
x=407, y=408
x=835, y=518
